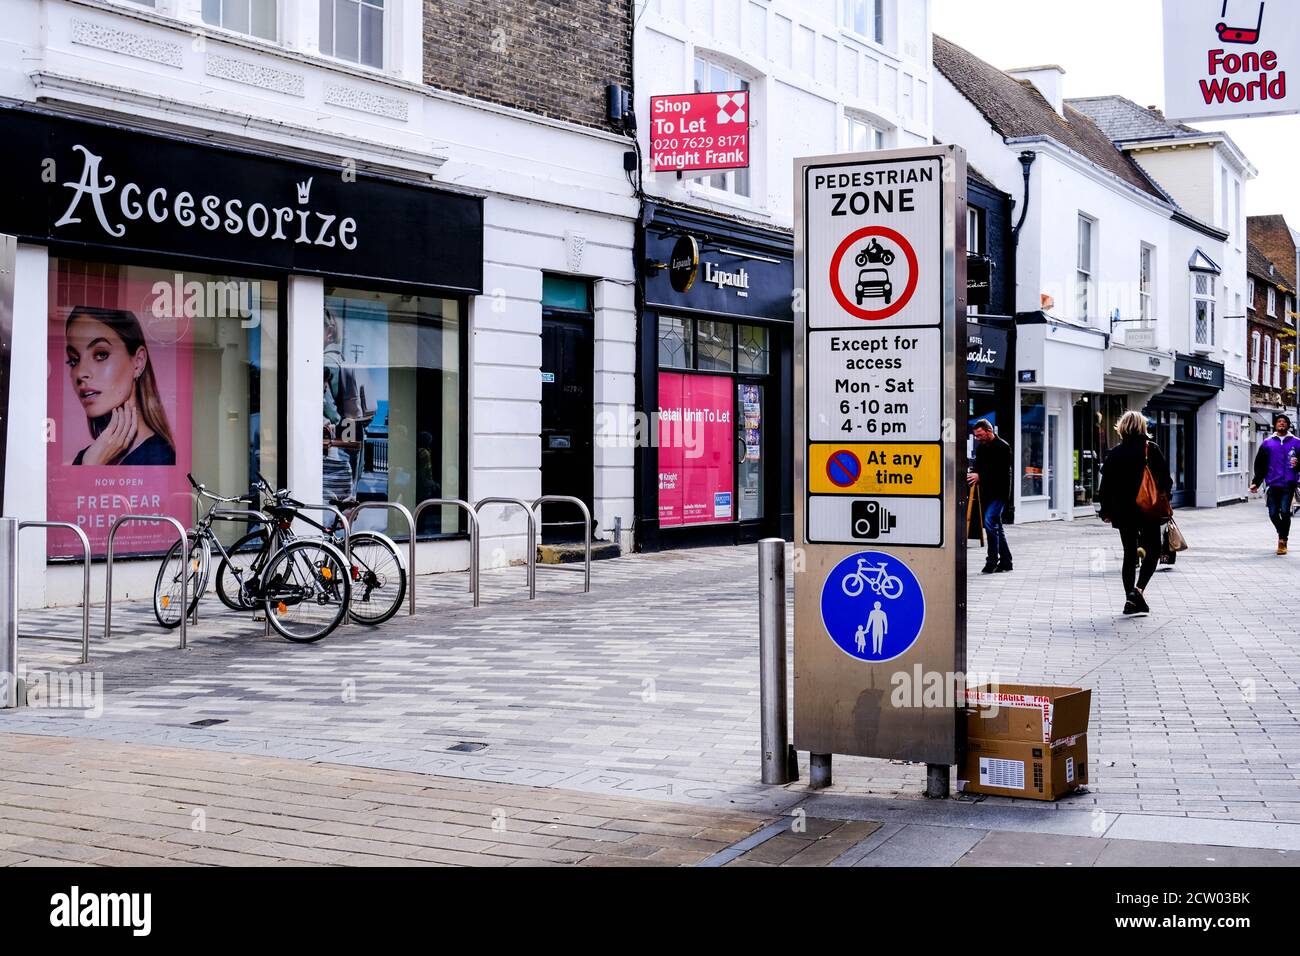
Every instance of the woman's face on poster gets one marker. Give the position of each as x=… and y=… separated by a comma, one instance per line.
x=103, y=372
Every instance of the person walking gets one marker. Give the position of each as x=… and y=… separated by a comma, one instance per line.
x=991, y=476
x=1277, y=464
x=1122, y=476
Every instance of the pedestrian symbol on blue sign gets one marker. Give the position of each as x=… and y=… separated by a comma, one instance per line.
x=872, y=606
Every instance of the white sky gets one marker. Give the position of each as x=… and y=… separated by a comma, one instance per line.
x=1116, y=47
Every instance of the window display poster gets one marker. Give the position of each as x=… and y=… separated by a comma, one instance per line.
x=355, y=403
x=697, y=435
x=119, y=395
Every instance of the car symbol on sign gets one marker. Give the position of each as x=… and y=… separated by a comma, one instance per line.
x=874, y=284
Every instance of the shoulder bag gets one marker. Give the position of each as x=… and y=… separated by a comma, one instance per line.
x=1152, y=503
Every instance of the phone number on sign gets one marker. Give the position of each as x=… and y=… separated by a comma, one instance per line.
x=696, y=142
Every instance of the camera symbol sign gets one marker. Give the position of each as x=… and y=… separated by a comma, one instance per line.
x=843, y=469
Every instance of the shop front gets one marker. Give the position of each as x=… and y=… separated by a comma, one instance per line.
x=715, y=375
x=1185, y=422
x=223, y=313
x=990, y=391
x=1059, y=416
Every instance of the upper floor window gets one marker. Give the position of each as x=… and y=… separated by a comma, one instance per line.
x=860, y=136
x=1267, y=377
x=259, y=18
x=1272, y=301
x=975, y=241
x=1225, y=222
x=1277, y=363
x=1250, y=293
x=865, y=18
x=1146, y=283
x=353, y=30
x=711, y=78
x=1204, y=308
x=1253, y=373
x=1083, y=289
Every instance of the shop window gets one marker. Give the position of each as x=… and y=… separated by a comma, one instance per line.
x=1233, y=432
x=714, y=345
x=259, y=18
x=159, y=373
x=711, y=78
x=353, y=30
x=975, y=241
x=676, y=343
x=753, y=357
x=1089, y=445
x=393, y=404
x=1033, y=437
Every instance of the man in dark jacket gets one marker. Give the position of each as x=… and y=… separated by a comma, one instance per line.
x=991, y=476
x=1278, y=465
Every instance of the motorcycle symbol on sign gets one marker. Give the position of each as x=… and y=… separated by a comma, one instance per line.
x=875, y=252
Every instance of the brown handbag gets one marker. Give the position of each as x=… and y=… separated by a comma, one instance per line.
x=1152, y=503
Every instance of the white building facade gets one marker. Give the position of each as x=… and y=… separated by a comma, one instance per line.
x=1124, y=300
x=822, y=76
x=457, y=229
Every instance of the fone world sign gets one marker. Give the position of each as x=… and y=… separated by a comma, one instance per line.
x=1228, y=59
x=880, y=363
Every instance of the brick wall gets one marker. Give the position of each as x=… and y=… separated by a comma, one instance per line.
x=553, y=57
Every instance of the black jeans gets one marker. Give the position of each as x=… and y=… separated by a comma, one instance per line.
x=1279, y=508
x=1146, y=536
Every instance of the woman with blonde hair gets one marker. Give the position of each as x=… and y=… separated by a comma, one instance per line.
x=1139, y=530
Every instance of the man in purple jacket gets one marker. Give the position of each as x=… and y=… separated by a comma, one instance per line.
x=1278, y=465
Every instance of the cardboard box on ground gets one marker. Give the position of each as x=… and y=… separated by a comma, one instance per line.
x=1025, y=740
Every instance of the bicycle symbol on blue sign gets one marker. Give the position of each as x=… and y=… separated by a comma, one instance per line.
x=872, y=606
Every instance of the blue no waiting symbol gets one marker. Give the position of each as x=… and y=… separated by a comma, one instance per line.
x=843, y=469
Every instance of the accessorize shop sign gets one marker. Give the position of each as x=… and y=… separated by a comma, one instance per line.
x=105, y=186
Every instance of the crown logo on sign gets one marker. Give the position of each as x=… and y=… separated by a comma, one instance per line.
x=304, y=191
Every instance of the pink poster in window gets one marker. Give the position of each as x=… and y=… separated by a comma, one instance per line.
x=119, y=398
x=697, y=437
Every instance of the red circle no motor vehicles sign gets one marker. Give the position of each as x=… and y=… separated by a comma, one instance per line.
x=884, y=270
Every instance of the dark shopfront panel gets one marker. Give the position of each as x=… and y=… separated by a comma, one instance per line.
x=715, y=378
x=990, y=392
x=178, y=254
x=1172, y=418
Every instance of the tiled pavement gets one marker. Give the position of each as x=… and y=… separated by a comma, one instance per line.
x=86, y=802
x=648, y=686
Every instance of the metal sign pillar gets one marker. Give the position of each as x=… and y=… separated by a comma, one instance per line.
x=880, y=461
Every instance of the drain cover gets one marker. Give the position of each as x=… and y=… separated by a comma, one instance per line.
x=467, y=748
x=208, y=722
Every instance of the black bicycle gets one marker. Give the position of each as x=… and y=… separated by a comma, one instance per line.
x=378, y=577
x=303, y=585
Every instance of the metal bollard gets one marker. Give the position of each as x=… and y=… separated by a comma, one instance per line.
x=772, y=646
x=8, y=612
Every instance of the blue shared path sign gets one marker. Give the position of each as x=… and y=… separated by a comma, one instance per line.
x=872, y=606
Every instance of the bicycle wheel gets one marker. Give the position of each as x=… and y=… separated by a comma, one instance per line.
x=247, y=555
x=891, y=587
x=167, y=588
x=306, y=590
x=378, y=578
x=852, y=585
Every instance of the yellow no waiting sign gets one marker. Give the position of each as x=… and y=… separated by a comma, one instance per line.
x=904, y=470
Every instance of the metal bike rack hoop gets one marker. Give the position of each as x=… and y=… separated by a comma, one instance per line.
x=466, y=507
x=532, y=536
x=85, y=577
x=108, y=570
x=410, y=524
x=586, y=525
